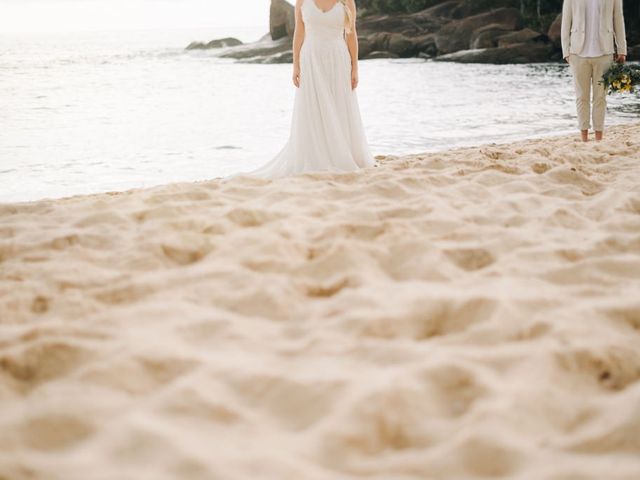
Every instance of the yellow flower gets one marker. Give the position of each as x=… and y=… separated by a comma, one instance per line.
x=616, y=85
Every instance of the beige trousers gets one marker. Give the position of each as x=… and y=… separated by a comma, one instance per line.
x=587, y=72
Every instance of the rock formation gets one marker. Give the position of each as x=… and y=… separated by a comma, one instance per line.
x=554, y=32
x=519, y=53
x=453, y=30
x=282, y=19
x=456, y=35
x=219, y=43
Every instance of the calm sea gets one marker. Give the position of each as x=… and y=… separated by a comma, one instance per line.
x=87, y=113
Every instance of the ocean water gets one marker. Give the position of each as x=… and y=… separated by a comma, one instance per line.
x=92, y=112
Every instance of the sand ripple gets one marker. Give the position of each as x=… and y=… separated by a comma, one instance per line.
x=469, y=314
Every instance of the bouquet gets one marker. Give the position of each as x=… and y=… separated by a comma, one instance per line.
x=621, y=78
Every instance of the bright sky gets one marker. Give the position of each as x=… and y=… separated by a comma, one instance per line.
x=88, y=15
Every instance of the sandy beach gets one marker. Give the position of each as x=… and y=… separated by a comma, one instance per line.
x=468, y=314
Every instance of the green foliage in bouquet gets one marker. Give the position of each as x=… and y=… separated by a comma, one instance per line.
x=621, y=78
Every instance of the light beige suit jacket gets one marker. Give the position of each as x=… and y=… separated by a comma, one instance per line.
x=574, y=19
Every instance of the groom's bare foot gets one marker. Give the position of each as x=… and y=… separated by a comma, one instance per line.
x=598, y=135
x=585, y=135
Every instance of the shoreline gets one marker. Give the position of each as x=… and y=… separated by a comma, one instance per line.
x=462, y=314
x=541, y=137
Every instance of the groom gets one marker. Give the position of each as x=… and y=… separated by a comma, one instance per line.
x=589, y=29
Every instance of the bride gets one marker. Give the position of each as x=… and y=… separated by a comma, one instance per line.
x=326, y=131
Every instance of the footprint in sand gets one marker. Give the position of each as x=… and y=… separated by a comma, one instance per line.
x=470, y=259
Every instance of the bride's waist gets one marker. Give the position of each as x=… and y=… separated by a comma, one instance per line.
x=323, y=39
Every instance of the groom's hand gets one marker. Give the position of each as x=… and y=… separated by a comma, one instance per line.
x=621, y=58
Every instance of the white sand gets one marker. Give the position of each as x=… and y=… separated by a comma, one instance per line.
x=461, y=315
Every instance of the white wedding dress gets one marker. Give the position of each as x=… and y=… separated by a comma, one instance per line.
x=326, y=131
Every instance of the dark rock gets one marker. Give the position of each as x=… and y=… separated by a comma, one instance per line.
x=487, y=36
x=556, y=56
x=282, y=19
x=258, y=51
x=400, y=45
x=378, y=54
x=456, y=35
x=634, y=53
x=196, y=46
x=493, y=37
x=224, y=42
x=365, y=47
x=522, y=53
x=555, y=32
x=521, y=36
x=284, y=57
x=467, y=8
x=219, y=43
x=408, y=24
x=444, y=10
x=425, y=46
x=380, y=40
